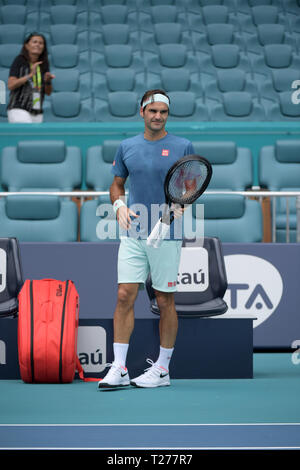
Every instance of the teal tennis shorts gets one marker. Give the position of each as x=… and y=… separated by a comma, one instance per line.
x=136, y=260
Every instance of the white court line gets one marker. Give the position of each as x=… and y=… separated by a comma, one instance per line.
x=151, y=424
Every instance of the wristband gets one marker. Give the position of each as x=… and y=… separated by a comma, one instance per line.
x=117, y=204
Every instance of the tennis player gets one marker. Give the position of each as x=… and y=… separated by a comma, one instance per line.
x=145, y=159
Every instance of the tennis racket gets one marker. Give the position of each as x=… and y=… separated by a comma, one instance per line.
x=185, y=181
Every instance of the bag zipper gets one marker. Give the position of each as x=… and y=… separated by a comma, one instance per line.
x=62, y=332
x=32, y=331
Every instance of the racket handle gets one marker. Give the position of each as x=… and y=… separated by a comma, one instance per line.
x=158, y=234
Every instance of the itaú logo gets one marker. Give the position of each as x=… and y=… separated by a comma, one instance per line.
x=254, y=287
x=91, y=348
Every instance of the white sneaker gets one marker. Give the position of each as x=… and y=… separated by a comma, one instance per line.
x=154, y=376
x=117, y=376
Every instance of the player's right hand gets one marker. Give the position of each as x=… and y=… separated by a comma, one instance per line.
x=123, y=217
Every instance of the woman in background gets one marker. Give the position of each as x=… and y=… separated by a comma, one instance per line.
x=29, y=80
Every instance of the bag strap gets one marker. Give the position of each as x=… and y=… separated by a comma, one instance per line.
x=81, y=373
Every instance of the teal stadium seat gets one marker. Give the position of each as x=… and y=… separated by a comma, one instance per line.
x=275, y=56
x=231, y=218
x=96, y=5
x=165, y=33
x=212, y=14
x=67, y=106
x=38, y=219
x=123, y=79
x=120, y=106
x=177, y=79
x=217, y=33
x=162, y=14
x=268, y=34
x=117, y=56
x=195, y=6
x=99, y=177
x=114, y=34
x=67, y=34
x=279, y=170
x=284, y=109
x=41, y=165
x=228, y=80
x=171, y=56
x=72, y=80
x=12, y=35
x=260, y=15
x=237, y=106
x=292, y=7
x=112, y=14
x=223, y=56
x=8, y=53
x=184, y=105
x=20, y=14
x=279, y=81
x=64, y=14
x=67, y=56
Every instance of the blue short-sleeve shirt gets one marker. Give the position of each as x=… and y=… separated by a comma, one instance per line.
x=146, y=163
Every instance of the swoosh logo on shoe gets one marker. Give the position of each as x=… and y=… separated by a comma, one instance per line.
x=123, y=375
x=163, y=375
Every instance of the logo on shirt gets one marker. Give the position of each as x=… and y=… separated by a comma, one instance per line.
x=165, y=153
x=172, y=284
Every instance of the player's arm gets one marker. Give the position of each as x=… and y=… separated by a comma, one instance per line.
x=117, y=193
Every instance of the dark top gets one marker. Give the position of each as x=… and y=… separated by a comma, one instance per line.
x=22, y=97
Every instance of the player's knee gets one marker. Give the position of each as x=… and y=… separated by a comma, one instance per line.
x=165, y=302
x=126, y=295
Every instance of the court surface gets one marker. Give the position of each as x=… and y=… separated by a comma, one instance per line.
x=258, y=413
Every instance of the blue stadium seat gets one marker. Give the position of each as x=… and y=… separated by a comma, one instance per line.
x=71, y=80
x=184, y=105
x=67, y=106
x=118, y=80
x=8, y=52
x=237, y=106
x=180, y=79
x=223, y=56
x=99, y=160
x=267, y=34
x=96, y=5
x=279, y=81
x=9, y=14
x=116, y=56
x=227, y=80
x=110, y=34
x=66, y=56
x=161, y=14
x=232, y=219
x=119, y=106
x=41, y=165
x=165, y=33
x=232, y=165
x=195, y=6
x=171, y=56
x=217, y=33
x=284, y=109
x=98, y=222
x=12, y=35
x=212, y=14
x=260, y=15
x=279, y=170
x=110, y=14
x=275, y=56
x=38, y=219
x=67, y=34
x=64, y=14
x=232, y=171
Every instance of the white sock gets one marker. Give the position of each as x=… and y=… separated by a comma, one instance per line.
x=164, y=357
x=120, y=353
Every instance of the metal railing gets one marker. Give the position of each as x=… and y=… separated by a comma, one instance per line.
x=272, y=195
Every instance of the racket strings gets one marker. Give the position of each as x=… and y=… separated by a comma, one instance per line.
x=187, y=180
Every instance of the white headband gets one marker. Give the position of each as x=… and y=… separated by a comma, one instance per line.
x=156, y=97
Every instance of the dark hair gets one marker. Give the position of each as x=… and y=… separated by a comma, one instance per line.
x=153, y=92
x=44, y=55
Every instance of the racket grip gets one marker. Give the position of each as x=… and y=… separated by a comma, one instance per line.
x=158, y=234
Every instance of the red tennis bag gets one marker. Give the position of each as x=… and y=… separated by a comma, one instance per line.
x=47, y=331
